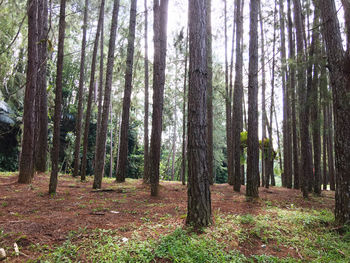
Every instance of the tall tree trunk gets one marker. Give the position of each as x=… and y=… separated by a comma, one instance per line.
x=145, y=136
x=286, y=88
x=123, y=158
x=263, y=100
x=253, y=124
x=292, y=86
x=80, y=95
x=184, y=136
x=111, y=144
x=304, y=108
x=26, y=165
x=58, y=100
x=160, y=42
x=237, y=118
x=41, y=142
x=89, y=101
x=315, y=113
x=174, y=136
x=228, y=98
x=339, y=62
x=100, y=84
x=210, y=154
x=100, y=147
x=324, y=148
x=199, y=201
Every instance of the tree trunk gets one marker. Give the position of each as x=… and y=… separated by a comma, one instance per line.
x=184, y=136
x=41, y=142
x=80, y=95
x=26, y=164
x=263, y=100
x=174, y=137
x=58, y=100
x=339, y=62
x=160, y=41
x=210, y=154
x=330, y=148
x=91, y=88
x=286, y=87
x=199, y=201
x=145, y=138
x=228, y=98
x=100, y=84
x=303, y=96
x=253, y=125
x=237, y=118
x=100, y=147
x=123, y=158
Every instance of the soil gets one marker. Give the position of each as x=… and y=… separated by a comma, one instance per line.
x=29, y=216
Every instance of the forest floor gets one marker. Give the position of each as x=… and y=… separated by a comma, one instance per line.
x=128, y=225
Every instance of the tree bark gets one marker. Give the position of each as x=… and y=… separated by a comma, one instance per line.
x=41, y=147
x=330, y=148
x=26, y=164
x=237, y=116
x=339, y=64
x=89, y=101
x=253, y=125
x=100, y=147
x=199, y=201
x=80, y=95
x=160, y=42
x=58, y=100
x=145, y=136
x=123, y=158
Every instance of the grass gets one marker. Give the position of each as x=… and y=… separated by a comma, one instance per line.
x=305, y=235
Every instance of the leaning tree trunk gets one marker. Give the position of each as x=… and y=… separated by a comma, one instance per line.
x=123, y=158
x=89, y=102
x=237, y=123
x=253, y=124
x=339, y=62
x=199, y=201
x=26, y=165
x=80, y=95
x=41, y=147
x=100, y=147
x=145, y=135
x=160, y=41
x=58, y=100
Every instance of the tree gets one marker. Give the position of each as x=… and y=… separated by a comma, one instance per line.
x=339, y=62
x=160, y=17
x=100, y=147
x=90, y=95
x=80, y=95
x=127, y=96
x=199, y=201
x=303, y=96
x=26, y=165
x=291, y=83
x=253, y=140
x=58, y=100
x=145, y=138
x=286, y=88
x=237, y=116
x=41, y=100
x=210, y=154
x=184, y=136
